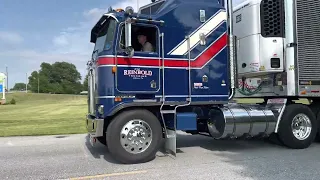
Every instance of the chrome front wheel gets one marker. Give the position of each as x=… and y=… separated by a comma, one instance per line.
x=136, y=136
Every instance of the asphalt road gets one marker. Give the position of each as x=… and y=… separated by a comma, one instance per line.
x=199, y=157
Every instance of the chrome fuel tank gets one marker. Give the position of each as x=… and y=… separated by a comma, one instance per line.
x=239, y=120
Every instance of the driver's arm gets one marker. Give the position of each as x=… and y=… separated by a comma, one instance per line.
x=148, y=47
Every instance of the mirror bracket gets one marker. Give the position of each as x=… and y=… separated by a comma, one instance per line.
x=129, y=51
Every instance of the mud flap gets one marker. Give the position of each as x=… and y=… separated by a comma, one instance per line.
x=171, y=142
x=169, y=121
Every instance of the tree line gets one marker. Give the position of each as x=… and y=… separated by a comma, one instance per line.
x=56, y=78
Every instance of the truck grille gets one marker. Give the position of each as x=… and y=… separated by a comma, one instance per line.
x=308, y=39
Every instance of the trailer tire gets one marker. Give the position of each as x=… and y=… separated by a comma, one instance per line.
x=289, y=123
x=129, y=124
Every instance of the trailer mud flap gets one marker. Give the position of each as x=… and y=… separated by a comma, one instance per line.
x=171, y=142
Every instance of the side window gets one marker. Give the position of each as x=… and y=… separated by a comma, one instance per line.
x=122, y=37
x=144, y=38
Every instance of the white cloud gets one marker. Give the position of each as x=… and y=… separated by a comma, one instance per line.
x=10, y=37
x=60, y=40
x=93, y=14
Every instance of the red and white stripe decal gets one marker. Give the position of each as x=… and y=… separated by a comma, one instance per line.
x=199, y=62
x=206, y=28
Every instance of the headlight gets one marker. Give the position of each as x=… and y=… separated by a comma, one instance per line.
x=100, y=109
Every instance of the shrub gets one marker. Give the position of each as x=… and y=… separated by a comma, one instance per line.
x=13, y=101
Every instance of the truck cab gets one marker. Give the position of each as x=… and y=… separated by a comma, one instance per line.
x=175, y=65
x=187, y=62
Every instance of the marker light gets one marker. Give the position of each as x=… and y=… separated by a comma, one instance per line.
x=117, y=99
x=114, y=69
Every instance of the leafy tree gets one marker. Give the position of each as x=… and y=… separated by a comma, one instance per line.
x=85, y=83
x=19, y=87
x=57, y=78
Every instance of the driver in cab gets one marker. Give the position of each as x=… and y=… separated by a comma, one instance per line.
x=146, y=46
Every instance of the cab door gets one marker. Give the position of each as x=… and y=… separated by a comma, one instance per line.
x=141, y=72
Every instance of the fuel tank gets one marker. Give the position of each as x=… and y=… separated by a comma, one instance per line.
x=242, y=120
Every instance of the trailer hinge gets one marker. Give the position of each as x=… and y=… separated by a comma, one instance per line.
x=292, y=45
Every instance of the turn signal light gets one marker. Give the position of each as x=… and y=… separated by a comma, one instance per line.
x=117, y=99
x=114, y=69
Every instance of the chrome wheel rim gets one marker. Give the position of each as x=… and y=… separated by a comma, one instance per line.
x=301, y=126
x=136, y=136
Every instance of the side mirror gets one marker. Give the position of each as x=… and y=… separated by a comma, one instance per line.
x=127, y=28
x=129, y=50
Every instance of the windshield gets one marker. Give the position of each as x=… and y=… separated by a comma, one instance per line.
x=106, y=36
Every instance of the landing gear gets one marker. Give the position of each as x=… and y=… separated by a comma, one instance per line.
x=298, y=126
x=134, y=136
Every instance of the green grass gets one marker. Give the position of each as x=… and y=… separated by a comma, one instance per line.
x=48, y=114
x=43, y=114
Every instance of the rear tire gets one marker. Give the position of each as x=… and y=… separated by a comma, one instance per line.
x=134, y=136
x=298, y=126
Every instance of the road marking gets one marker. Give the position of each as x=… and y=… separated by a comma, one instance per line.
x=109, y=175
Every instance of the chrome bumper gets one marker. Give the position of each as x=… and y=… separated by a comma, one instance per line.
x=94, y=126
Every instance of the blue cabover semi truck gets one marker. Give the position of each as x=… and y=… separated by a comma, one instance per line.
x=200, y=56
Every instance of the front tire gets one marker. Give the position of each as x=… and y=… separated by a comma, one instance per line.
x=298, y=126
x=102, y=140
x=134, y=136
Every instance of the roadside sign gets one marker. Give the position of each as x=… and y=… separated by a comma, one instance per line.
x=1, y=88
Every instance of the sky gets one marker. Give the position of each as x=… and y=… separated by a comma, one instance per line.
x=32, y=32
